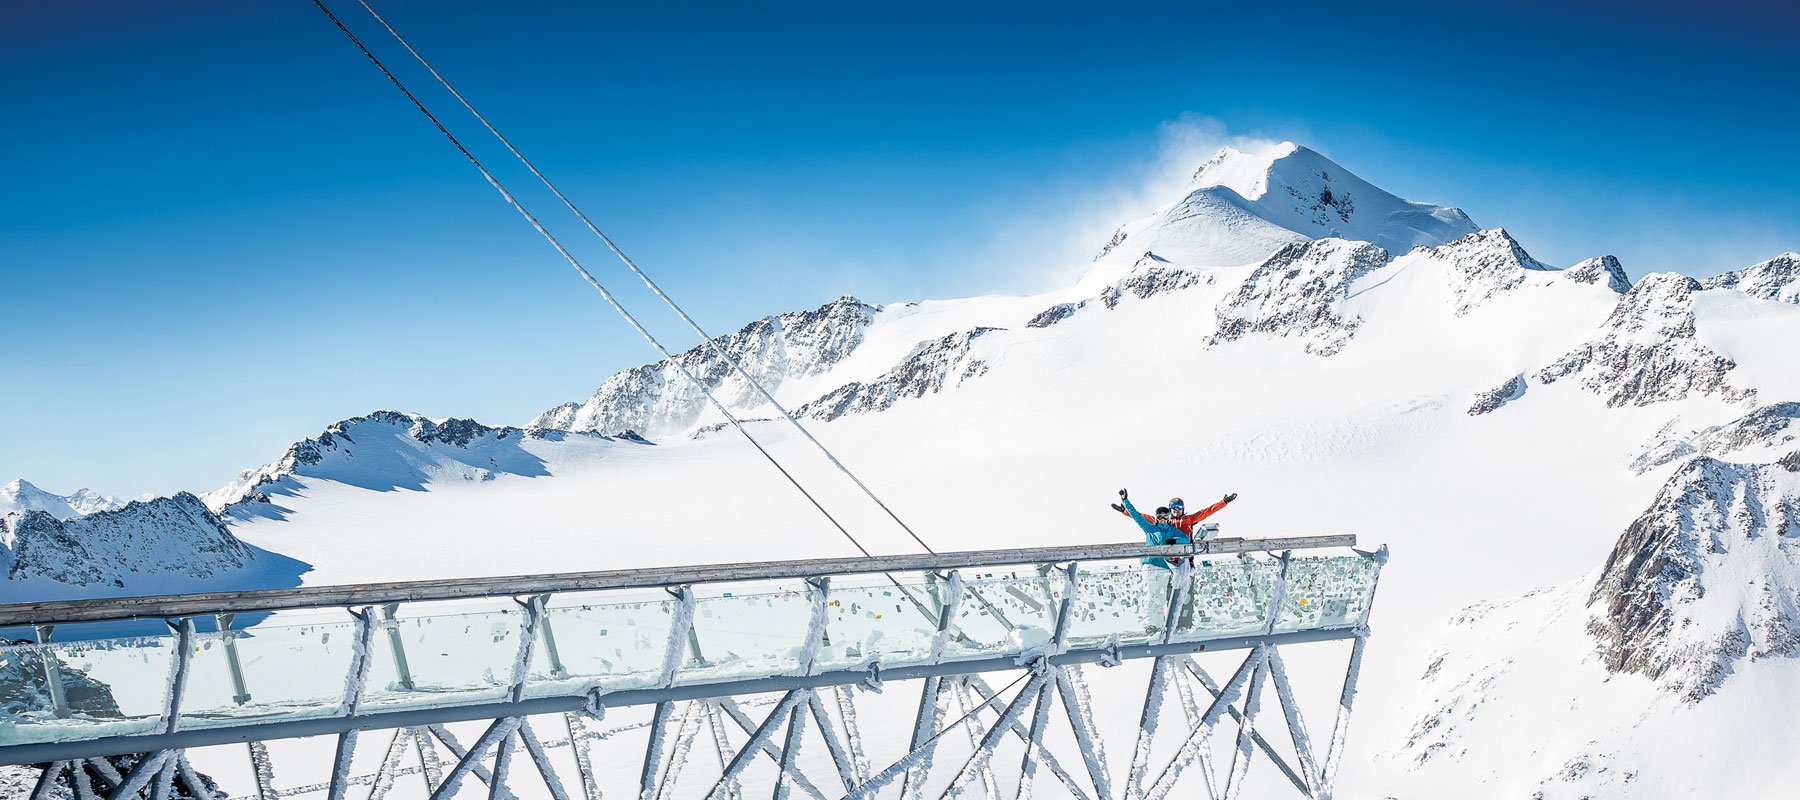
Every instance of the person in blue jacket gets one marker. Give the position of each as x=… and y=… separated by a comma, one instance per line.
x=1161, y=529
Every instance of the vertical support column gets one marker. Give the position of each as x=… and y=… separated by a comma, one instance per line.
x=396, y=647
x=1339, y=731
x=179, y=666
x=59, y=698
x=533, y=609
x=239, y=694
x=815, y=625
x=1284, y=692
x=931, y=695
x=1278, y=595
x=1159, y=675
x=355, y=680
x=681, y=640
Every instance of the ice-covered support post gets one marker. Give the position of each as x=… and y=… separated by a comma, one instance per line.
x=931, y=694
x=984, y=749
x=1198, y=738
x=470, y=761
x=1040, y=716
x=533, y=609
x=1073, y=691
x=758, y=739
x=356, y=679
x=1159, y=674
x=176, y=688
x=239, y=693
x=1284, y=692
x=47, y=780
x=819, y=588
x=675, y=650
x=1278, y=595
x=1340, y=730
x=59, y=699
x=396, y=647
x=557, y=669
x=1240, y=759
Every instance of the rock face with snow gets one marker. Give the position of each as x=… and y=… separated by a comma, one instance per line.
x=1647, y=351
x=929, y=368
x=657, y=399
x=1776, y=279
x=1299, y=292
x=1484, y=265
x=168, y=536
x=1771, y=426
x=1602, y=270
x=1493, y=399
x=389, y=450
x=1705, y=578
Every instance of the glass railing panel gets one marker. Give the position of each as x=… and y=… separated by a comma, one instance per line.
x=114, y=687
x=611, y=641
x=1004, y=611
x=1228, y=596
x=869, y=619
x=454, y=654
x=1130, y=600
x=1325, y=592
x=751, y=631
x=292, y=664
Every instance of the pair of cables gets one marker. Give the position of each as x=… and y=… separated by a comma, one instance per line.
x=709, y=342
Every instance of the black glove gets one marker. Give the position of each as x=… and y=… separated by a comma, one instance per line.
x=1122, y=493
x=1118, y=508
x=1231, y=497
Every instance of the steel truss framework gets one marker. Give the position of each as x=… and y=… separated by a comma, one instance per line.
x=957, y=700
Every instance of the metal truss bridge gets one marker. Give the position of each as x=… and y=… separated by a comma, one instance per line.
x=897, y=677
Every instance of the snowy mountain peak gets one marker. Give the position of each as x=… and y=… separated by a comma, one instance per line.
x=21, y=496
x=1242, y=205
x=1605, y=269
x=1776, y=279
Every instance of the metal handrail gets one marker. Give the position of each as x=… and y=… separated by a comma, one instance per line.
x=373, y=594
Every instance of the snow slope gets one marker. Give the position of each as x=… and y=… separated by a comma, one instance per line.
x=1345, y=360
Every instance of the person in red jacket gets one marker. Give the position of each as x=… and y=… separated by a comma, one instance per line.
x=1178, y=516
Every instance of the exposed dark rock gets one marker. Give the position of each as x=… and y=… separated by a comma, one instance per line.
x=1494, y=398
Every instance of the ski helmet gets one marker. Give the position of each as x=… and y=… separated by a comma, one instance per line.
x=1176, y=506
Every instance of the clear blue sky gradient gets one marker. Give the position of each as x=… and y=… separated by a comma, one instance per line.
x=223, y=230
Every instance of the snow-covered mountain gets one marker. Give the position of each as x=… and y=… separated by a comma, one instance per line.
x=157, y=546
x=20, y=496
x=1344, y=359
x=1243, y=205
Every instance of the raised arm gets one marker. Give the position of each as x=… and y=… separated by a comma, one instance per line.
x=1208, y=511
x=1136, y=516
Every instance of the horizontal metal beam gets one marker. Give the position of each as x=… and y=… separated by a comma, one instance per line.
x=375, y=594
x=289, y=729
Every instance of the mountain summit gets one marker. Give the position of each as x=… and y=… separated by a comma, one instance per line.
x=1243, y=205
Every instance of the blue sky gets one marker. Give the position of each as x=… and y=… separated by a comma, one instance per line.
x=223, y=230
